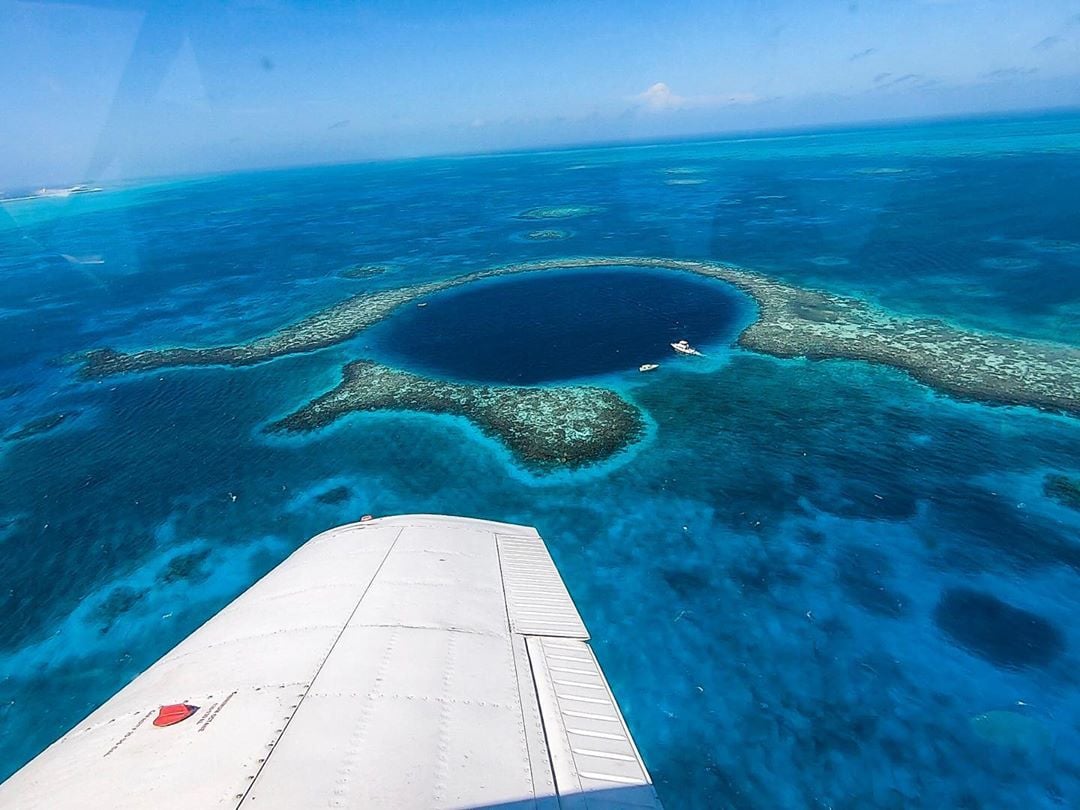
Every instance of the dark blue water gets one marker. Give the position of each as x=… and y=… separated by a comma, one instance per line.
x=812, y=585
x=563, y=326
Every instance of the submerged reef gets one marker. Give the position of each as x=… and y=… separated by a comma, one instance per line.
x=1063, y=489
x=9, y=524
x=791, y=322
x=188, y=566
x=119, y=601
x=548, y=235
x=543, y=427
x=9, y=391
x=364, y=270
x=43, y=424
x=829, y=261
x=324, y=328
x=335, y=496
x=1004, y=635
x=560, y=212
x=1012, y=729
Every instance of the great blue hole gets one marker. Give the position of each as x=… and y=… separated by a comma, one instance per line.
x=561, y=325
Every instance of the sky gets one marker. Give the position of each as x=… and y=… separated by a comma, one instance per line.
x=110, y=89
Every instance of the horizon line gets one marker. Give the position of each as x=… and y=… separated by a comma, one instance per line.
x=796, y=130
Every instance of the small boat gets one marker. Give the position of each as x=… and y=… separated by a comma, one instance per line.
x=682, y=347
x=648, y=367
x=422, y=304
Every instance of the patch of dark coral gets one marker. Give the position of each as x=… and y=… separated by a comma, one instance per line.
x=1004, y=635
x=976, y=530
x=685, y=581
x=189, y=567
x=43, y=424
x=9, y=391
x=115, y=605
x=546, y=235
x=9, y=524
x=334, y=496
x=1063, y=489
x=364, y=270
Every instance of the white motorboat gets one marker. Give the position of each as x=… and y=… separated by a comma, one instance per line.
x=648, y=367
x=682, y=347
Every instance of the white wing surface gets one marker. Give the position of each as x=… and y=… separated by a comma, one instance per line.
x=418, y=661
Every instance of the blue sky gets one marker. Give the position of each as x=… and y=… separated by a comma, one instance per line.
x=120, y=88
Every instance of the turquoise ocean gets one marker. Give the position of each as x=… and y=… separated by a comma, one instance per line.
x=812, y=584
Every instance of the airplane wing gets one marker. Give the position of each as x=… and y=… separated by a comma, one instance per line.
x=418, y=661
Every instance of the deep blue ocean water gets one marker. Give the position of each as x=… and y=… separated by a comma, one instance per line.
x=808, y=586
x=559, y=326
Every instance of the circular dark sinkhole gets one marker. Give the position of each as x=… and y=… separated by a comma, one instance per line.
x=560, y=325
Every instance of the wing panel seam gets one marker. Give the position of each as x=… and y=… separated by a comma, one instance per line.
x=319, y=669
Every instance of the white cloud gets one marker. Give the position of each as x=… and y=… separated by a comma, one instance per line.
x=661, y=98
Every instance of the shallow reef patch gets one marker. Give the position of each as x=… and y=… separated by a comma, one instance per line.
x=1063, y=489
x=364, y=270
x=997, y=531
x=1054, y=246
x=334, y=496
x=829, y=261
x=547, y=235
x=559, y=212
x=324, y=328
x=685, y=581
x=42, y=424
x=883, y=170
x=1012, y=729
x=543, y=427
x=1008, y=263
x=9, y=524
x=188, y=566
x=119, y=601
x=1004, y=635
x=10, y=391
